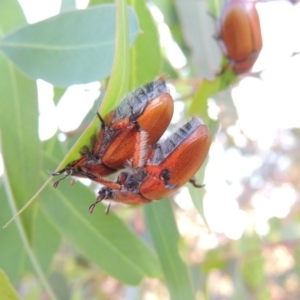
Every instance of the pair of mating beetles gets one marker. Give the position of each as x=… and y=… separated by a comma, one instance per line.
x=128, y=138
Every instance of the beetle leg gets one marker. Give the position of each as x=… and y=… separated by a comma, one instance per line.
x=92, y=206
x=68, y=170
x=195, y=184
x=70, y=166
x=99, y=140
x=108, y=183
x=107, y=209
x=55, y=184
x=103, y=125
x=104, y=193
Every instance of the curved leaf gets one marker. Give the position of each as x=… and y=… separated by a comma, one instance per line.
x=117, y=87
x=11, y=244
x=20, y=147
x=165, y=236
x=118, y=83
x=70, y=48
x=104, y=240
x=145, y=55
x=6, y=289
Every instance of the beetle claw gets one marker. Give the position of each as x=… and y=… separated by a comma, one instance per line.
x=103, y=125
x=195, y=184
x=91, y=208
x=107, y=209
x=99, y=199
x=55, y=184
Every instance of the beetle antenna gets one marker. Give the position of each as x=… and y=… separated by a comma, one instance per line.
x=195, y=184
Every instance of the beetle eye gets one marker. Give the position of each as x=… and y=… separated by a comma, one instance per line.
x=165, y=175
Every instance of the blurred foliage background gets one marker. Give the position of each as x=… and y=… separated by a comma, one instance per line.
x=238, y=238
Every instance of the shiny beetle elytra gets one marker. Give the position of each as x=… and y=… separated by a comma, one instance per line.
x=160, y=170
x=239, y=34
x=149, y=108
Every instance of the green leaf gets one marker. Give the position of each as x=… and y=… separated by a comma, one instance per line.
x=118, y=83
x=46, y=241
x=199, y=104
x=104, y=240
x=12, y=150
x=296, y=255
x=252, y=264
x=197, y=194
x=96, y=2
x=67, y=5
x=214, y=7
x=60, y=285
x=214, y=259
x=207, y=89
x=145, y=55
x=165, y=236
x=20, y=148
x=6, y=289
x=20, y=145
x=11, y=244
x=19, y=141
x=16, y=240
x=240, y=288
x=16, y=18
x=170, y=13
x=70, y=48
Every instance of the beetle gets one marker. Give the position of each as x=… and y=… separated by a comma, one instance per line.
x=160, y=170
x=239, y=34
x=149, y=108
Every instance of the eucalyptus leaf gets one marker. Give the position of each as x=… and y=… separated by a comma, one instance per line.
x=11, y=244
x=145, y=54
x=71, y=48
x=118, y=83
x=104, y=240
x=6, y=289
x=161, y=223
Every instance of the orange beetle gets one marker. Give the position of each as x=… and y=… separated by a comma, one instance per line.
x=239, y=34
x=162, y=170
x=149, y=108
